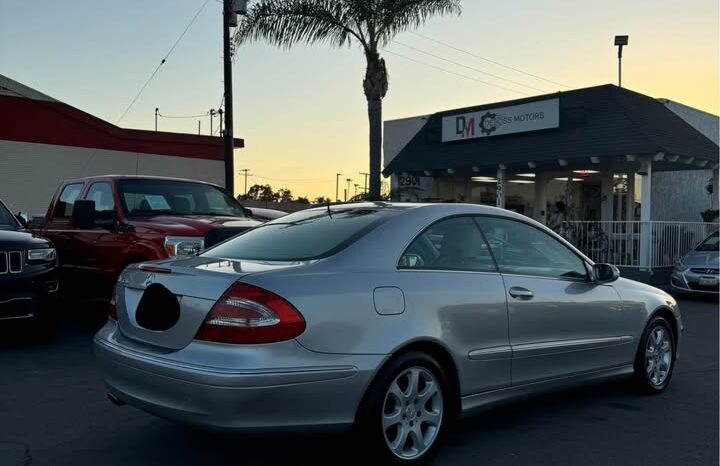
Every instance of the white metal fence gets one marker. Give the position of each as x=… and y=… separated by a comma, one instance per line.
x=636, y=244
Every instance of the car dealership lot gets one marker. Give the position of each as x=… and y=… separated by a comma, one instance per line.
x=53, y=410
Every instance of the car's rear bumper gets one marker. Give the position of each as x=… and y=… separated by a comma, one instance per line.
x=323, y=392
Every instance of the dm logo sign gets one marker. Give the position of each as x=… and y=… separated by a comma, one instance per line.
x=532, y=116
x=464, y=127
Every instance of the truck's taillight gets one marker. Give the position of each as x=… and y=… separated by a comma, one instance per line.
x=247, y=314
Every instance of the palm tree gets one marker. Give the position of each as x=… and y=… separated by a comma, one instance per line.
x=370, y=23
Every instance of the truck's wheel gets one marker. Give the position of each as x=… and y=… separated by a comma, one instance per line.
x=405, y=410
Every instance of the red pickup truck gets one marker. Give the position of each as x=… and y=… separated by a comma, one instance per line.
x=101, y=224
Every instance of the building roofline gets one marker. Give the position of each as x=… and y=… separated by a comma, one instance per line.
x=153, y=142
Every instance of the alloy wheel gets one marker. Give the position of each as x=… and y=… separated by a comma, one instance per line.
x=412, y=413
x=658, y=355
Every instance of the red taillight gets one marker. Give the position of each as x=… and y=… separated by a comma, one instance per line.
x=247, y=314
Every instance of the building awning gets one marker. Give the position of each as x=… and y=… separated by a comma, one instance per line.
x=602, y=122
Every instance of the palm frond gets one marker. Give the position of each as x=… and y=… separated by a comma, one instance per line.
x=395, y=16
x=288, y=22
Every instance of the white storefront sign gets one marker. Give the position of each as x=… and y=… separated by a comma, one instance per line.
x=521, y=118
x=412, y=188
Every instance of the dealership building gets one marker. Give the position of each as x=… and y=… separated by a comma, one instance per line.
x=44, y=141
x=601, y=160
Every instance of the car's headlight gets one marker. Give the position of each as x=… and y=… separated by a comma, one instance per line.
x=680, y=267
x=183, y=245
x=42, y=255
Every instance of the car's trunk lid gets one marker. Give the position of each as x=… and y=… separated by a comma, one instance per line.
x=164, y=303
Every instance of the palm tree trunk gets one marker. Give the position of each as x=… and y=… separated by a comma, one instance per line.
x=375, y=86
x=375, y=120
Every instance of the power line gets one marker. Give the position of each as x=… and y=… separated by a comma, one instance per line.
x=454, y=73
x=184, y=116
x=517, y=70
x=469, y=67
x=162, y=62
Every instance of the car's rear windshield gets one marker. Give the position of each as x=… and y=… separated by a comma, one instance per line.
x=150, y=197
x=711, y=243
x=305, y=235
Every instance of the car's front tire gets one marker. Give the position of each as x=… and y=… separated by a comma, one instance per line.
x=655, y=359
x=405, y=410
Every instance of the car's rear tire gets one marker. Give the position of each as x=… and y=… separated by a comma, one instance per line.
x=405, y=410
x=655, y=359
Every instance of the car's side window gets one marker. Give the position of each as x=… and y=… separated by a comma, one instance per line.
x=64, y=205
x=452, y=244
x=102, y=194
x=522, y=249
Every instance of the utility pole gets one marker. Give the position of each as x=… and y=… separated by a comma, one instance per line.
x=227, y=69
x=245, y=173
x=212, y=114
x=157, y=112
x=347, y=191
x=337, y=186
x=198, y=127
x=366, y=180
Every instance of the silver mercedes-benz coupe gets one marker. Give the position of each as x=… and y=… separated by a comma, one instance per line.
x=392, y=318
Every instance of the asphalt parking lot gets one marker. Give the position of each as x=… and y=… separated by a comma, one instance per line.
x=53, y=411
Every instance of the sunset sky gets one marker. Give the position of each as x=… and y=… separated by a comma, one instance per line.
x=302, y=112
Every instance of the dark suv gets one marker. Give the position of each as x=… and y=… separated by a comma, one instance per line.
x=28, y=276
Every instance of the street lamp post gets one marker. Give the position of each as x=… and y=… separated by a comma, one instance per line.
x=337, y=186
x=231, y=8
x=620, y=42
x=349, y=180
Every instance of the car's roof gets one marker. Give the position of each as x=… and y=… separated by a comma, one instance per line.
x=444, y=208
x=133, y=177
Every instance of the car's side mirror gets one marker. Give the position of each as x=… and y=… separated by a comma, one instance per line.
x=23, y=218
x=605, y=273
x=83, y=215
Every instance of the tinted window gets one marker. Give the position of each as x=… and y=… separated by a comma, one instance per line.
x=148, y=197
x=711, y=243
x=64, y=206
x=303, y=235
x=102, y=194
x=452, y=244
x=7, y=220
x=522, y=249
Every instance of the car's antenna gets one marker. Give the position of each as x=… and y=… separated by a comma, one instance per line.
x=328, y=208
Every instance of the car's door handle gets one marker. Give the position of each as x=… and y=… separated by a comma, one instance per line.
x=520, y=293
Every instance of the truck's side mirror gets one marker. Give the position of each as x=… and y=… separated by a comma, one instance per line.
x=83, y=215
